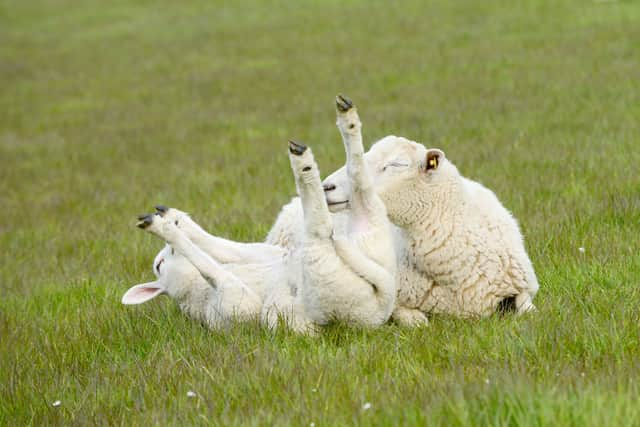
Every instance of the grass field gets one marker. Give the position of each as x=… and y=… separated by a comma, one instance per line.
x=107, y=108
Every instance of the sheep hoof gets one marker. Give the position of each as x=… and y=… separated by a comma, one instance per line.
x=297, y=148
x=161, y=209
x=144, y=221
x=343, y=104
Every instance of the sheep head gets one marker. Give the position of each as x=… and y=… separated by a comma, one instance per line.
x=405, y=173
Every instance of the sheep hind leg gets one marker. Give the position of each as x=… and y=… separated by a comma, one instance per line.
x=366, y=206
x=524, y=304
x=364, y=267
x=317, y=219
x=220, y=249
x=240, y=297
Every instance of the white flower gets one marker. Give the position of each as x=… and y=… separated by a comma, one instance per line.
x=191, y=393
x=581, y=249
x=312, y=424
x=56, y=403
x=366, y=406
x=313, y=390
x=486, y=381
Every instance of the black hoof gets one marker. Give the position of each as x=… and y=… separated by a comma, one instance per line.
x=161, y=209
x=297, y=148
x=144, y=220
x=343, y=103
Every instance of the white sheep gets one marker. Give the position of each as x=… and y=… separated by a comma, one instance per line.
x=203, y=289
x=460, y=252
x=215, y=280
x=350, y=276
x=394, y=162
x=499, y=270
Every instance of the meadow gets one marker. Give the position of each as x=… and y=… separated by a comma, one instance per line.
x=108, y=108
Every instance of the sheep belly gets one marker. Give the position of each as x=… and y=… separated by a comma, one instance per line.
x=332, y=291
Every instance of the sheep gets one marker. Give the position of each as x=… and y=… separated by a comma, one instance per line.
x=250, y=281
x=203, y=289
x=391, y=160
x=463, y=252
x=505, y=273
x=216, y=280
x=350, y=276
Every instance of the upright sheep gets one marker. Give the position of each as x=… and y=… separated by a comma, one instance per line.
x=460, y=251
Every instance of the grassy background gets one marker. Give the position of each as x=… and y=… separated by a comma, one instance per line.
x=107, y=108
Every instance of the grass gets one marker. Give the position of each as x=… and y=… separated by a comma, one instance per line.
x=107, y=108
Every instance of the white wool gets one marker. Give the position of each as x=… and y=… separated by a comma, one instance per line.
x=461, y=239
x=342, y=270
x=347, y=276
x=218, y=280
x=203, y=289
x=459, y=251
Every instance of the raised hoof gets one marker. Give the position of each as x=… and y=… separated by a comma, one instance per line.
x=144, y=220
x=161, y=209
x=297, y=148
x=343, y=104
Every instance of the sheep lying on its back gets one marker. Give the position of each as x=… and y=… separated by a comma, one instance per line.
x=340, y=271
x=347, y=275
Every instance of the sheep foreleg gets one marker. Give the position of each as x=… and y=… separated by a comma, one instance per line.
x=209, y=268
x=222, y=250
x=317, y=218
x=365, y=206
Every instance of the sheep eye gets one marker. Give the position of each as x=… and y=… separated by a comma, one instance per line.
x=395, y=165
x=306, y=169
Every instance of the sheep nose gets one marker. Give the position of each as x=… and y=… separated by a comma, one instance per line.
x=328, y=187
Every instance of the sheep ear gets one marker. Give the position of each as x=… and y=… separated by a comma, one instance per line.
x=433, y=159
x=142, y=293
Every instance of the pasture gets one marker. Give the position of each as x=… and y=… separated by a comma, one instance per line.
x=108, y=108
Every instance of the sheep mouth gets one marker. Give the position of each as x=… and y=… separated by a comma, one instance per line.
x=337, y=206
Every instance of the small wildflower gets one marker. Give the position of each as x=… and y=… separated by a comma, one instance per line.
x=191, y=393
x=582, y=374
x=56, y=403
x=312, y=424
x=366, y=406
x=581, y=249
x=486, y=381
x=314, y=390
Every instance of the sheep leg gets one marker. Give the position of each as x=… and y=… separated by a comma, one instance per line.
x=365, y=206
x=523, y=304
x=220, y=249
x=362, y=265
x=409, y=316
x=209, y=268
x=317, y=218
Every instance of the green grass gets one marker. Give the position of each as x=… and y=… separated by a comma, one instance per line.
x=107, y=108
